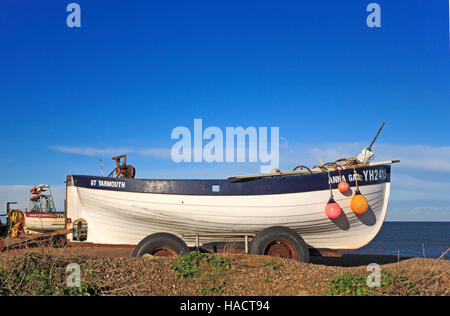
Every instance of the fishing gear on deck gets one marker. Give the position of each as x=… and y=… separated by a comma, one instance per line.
x=367, y=154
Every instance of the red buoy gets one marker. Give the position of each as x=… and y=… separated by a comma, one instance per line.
x=343, y=187
x=333, y=210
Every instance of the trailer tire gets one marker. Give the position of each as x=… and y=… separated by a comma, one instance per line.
x=280, y=242
x=161, y=244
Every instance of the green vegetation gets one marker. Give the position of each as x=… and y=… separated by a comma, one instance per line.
x=352, y=284
x=210, y=270
x=399, y=281
x=39, y=275
x=213, y=289
x=189, y=264
x=273, y=265
x=219, y=262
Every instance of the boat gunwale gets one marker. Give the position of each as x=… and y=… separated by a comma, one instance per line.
x=229, y=187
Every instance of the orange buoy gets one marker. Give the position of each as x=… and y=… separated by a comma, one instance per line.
x=358, y=204
x=343, y=187
x=332, y=209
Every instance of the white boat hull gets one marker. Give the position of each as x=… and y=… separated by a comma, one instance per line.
x=119, y=218
x=43, y=222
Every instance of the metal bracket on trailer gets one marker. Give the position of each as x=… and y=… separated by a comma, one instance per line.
x=197, y=237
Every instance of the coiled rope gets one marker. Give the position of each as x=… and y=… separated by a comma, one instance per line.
x=338, y=164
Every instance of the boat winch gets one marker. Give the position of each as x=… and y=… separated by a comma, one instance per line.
x=122, y=170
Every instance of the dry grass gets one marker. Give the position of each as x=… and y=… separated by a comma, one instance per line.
x=431, y=276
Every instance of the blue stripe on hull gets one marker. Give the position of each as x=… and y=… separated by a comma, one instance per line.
x=259, y=186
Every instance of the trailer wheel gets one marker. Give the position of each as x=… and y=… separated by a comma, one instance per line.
x=281, y=242
x=59, y=241
x=161, y=244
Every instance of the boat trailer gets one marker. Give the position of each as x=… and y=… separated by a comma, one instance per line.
x=56, y=239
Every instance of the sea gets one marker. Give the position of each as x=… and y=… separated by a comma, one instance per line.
x=410, y=239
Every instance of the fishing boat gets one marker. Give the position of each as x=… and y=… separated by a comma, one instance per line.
x=43, y=216
x=41, y=224
x=125, y=211
x=337, y=206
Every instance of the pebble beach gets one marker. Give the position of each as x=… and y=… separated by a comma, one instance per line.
x=112, y=271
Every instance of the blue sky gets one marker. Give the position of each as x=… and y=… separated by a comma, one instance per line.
x=137, y=69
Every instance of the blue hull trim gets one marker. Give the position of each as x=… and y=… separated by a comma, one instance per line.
x=225, y=187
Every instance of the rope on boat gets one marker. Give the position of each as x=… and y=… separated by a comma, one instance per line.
x=338, y=164
x=342, y=163
x=289, y=173
x=279, y=171
x=356, y=179
x=329, y=183
x=303, y=167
